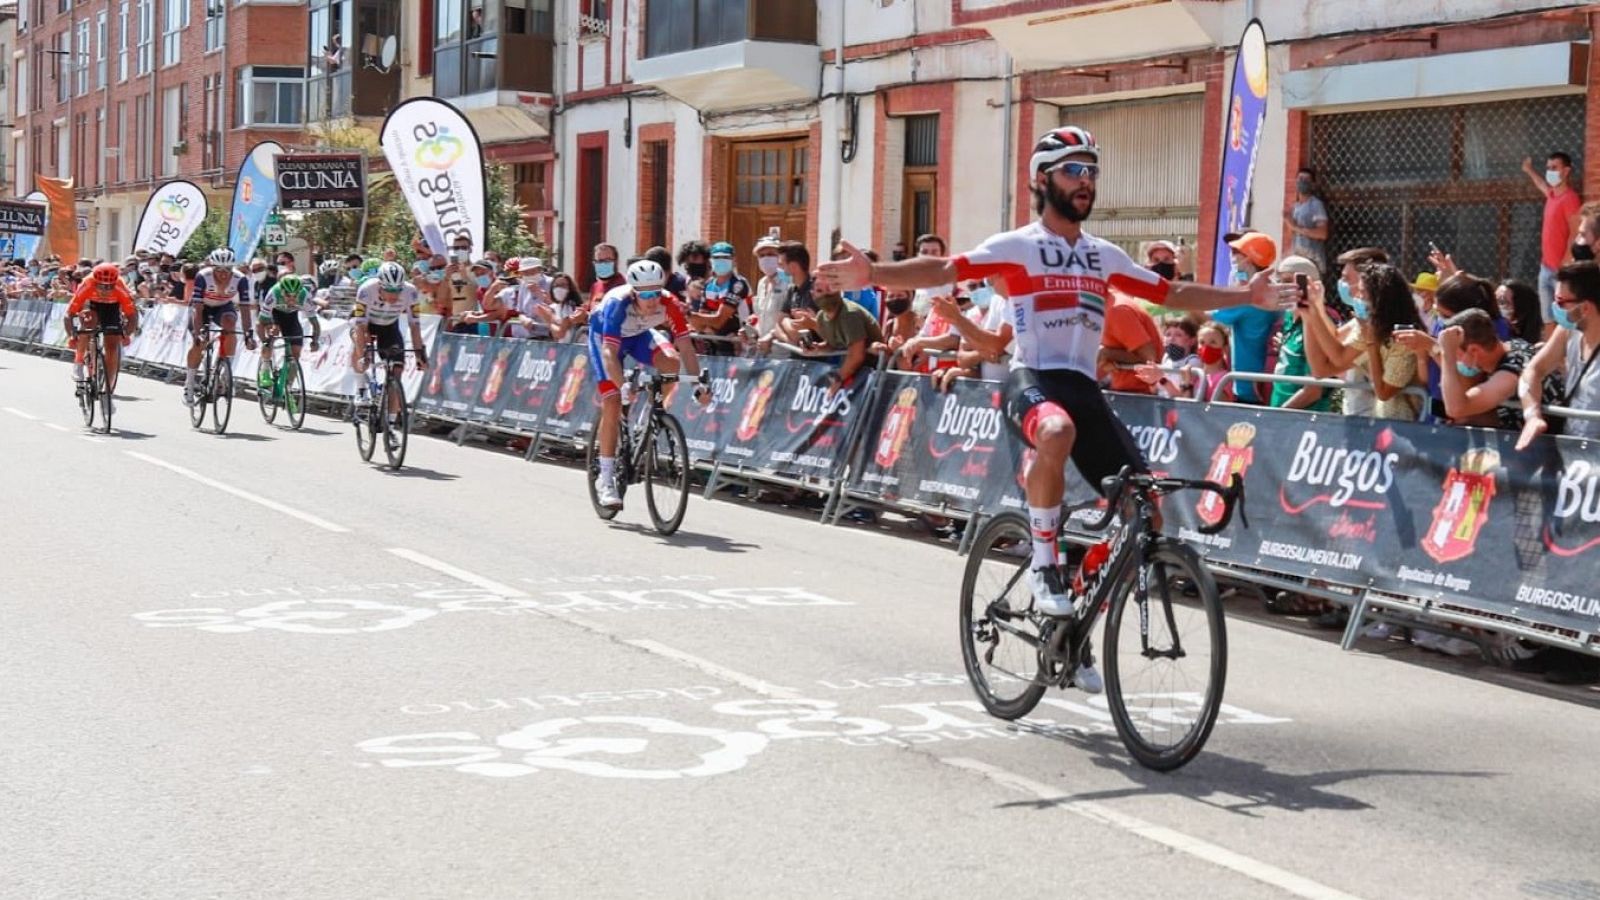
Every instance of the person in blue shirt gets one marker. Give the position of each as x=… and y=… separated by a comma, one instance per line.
x=1252, y=327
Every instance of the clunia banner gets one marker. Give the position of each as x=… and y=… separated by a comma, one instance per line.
x=171, y=215
x=438, y=163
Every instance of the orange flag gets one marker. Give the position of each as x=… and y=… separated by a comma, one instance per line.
x=63, y=231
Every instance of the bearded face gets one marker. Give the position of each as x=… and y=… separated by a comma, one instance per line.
x=1071, y=198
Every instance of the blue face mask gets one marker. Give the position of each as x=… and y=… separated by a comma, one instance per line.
x=1468, y=371
x=782, y=278
x=1563, y=318
x=483, y=281
x=605, y=269
x=721, y=266
x=1359, y=307
x=982, y=297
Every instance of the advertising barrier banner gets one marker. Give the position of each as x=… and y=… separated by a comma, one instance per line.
x=25, y=320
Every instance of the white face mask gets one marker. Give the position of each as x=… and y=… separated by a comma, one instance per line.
x=559, y=293
x=768, y=264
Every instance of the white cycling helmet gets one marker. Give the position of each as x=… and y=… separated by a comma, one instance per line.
x=646, y=275
x=391, y=276
x=330, y=267
x=221, y=256
x=1055, y=146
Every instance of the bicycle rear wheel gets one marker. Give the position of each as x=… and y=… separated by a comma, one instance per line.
x=294, y=394
x=591, y=470
x=1164, y=706
x=396, y=425
x=222, y=395
x=666, y=474
x=267, y=387
x=999, y=640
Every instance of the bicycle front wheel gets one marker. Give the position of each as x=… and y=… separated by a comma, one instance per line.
x=202, y=394
x=102, y=387
x=396, y=425
x=222, y=395
x=1166, y=658
x=294, y=394
x=999, y=639
x=666, y=474
x=365, y=417
x=267, y=388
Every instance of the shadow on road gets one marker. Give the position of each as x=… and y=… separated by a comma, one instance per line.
x=319, y=432
x=1225, y=783
x=414, y=472
x=245, y=436
x=128, y=435
x=716, y=543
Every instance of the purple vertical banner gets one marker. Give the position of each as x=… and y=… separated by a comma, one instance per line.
x=1247, y=112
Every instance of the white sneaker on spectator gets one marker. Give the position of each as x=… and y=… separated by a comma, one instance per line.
x=1049, y=587
x=607, y=492
x=1088, y=680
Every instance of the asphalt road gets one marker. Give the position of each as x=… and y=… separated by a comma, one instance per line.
x=253, y=666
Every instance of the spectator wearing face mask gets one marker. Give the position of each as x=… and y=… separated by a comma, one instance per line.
x=922, y=300
x=1332, y=348
x=986, y=343
x=726, y=294
x=1214, y=365
x=1423, y=290
x=1383, y=307
x=900, y=322
x=568, y=303
x=1458, y=293
x=461, y=289
x=606, y=275
x=1482, y=372
x=530, y=299
x=1571, y=350
x=851, y=331
x=1161, y=257
x=798, y=313
x=1560, y=225
x=938, y=334
x=1252, y=326
x=1307, y=221
x=694, y=260
x=767, y=305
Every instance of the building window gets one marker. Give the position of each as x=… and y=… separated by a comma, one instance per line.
x=214, y=9
x=673, y=26
x=654, y=159
x=22, y=87
x=919, y=210
x=328, y=83
x=147, y=36
x=62, y=70
x=119, y=147
x=467, y=33
x=529, y=179
x=177, y=19
x=99, y=142
x=114, y=234
x=269, y=95
x=122, y=41
x=80, y=60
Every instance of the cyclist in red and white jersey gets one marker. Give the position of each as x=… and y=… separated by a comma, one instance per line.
x=1058, y=280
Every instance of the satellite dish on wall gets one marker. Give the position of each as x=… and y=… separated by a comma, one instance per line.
x=389, y=52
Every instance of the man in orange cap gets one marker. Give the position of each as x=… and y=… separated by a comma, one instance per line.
x=1252, y=328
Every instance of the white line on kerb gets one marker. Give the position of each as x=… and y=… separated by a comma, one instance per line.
x=242, y=494
x=458, y=573
x=1265, y=873
x=749, y=682
x=22, y=415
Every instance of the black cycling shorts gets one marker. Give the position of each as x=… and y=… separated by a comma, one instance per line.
x=108, y=316
x=214, y=315
x=1103, y=446
x=289, y=326
x=391, y=345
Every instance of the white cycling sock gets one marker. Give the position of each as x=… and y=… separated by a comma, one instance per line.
x=608, y=468
x=1044, y=522
x=77, y=371
x=189, y=377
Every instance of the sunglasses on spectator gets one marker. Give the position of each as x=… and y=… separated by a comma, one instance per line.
x=1081, y=170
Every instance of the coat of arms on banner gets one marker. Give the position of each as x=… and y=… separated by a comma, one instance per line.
x=1463, y=507
x=755, y=408
x=572, y=385
x=896, y=428
x=1232, y=457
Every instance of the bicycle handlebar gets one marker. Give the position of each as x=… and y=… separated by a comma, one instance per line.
x=1117, y=485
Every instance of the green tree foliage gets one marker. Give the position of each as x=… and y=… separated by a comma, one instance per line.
x=212, y=233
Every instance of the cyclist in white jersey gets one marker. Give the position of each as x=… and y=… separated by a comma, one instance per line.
x=214, y=296
x=381, y=302
x=1058, y=280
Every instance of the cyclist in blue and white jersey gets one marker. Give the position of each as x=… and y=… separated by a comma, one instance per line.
x=214, y=296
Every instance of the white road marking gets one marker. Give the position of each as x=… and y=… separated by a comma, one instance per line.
x=749, y=682
x=92, y=440
x=242, y=494
x=22, y=415
x=57, y=427
x=458, y=573
x=1266, y=873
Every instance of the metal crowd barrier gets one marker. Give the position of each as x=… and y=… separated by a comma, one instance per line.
x=1339, y=384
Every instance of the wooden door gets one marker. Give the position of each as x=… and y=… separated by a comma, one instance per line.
x=919, y=206
x=768, y=189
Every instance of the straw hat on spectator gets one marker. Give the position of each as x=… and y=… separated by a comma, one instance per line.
x=1427, y=281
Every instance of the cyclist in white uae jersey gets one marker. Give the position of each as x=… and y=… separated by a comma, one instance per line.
x=1059, y=282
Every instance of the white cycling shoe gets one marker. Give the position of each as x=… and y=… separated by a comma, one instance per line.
x=606, y=491
x=1049, y=587
x=1088, y=680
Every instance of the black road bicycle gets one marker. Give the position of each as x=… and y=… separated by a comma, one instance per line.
x=1165, y=645
x=280, y=383
x=380, y=410
x=213, y=385
x=94, y=394
x=650, y=448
